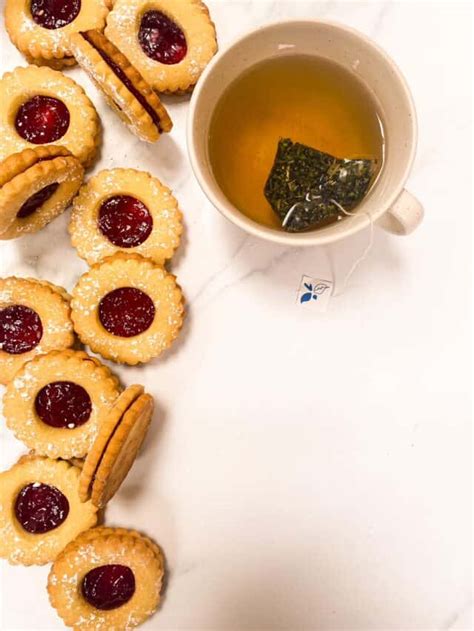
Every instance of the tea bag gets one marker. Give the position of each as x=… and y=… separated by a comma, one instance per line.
x=308, y=188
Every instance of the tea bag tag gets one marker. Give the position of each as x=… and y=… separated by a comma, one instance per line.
x=314, y=294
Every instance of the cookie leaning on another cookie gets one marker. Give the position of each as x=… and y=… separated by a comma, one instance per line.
x=36, y=185
x=124, y=88
x=116, y=446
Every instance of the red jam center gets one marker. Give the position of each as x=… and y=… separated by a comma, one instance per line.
x=108, y=586
x=20, y=329
x=126, y=312
x=125, y=221
x=40, y=508
x=37, y=200
x=53, y=14
x=161, y=39
x=42, y=119
x=63, y=404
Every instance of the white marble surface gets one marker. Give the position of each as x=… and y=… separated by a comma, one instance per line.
x=304, y=471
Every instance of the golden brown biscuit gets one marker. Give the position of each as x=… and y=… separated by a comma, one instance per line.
x=41, y=30
x=123, y=87
x=34, y=319
x=107, y=579
x=107, y=428
x=122, y=450
x=41, y=106
x=170, y=42
x=127, y=308
x=40, y=510
x=36, y=185
x=57, y=402
x=116, y=447
x=124, y=210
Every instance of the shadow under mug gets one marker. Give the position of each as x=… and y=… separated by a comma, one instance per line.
x=388, y=203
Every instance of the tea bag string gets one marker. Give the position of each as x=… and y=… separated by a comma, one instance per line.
x=310, y=198
x=365, y=253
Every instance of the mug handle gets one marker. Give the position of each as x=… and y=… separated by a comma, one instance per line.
x=404, y=216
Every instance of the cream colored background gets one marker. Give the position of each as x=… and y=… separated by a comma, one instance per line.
x=304, y=471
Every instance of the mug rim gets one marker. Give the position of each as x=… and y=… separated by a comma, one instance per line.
x=232, y=213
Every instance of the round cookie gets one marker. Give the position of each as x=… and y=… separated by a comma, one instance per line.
x=41, y=106
x=41, y=29
x=36, y=185
x=57, y=402
x=34, y=319
x=107, y=428
x=127, y=309
x=110, y=579
x=125, y=210
x=121, y=450
x=170, y=42
x=123, y=87
x=40, y=510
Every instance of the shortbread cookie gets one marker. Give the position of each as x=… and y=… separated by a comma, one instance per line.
x=124, y=88
x=40, y=510
x=106, y=580
x=34, y=319
x=125, y=210
x=57, y=402
x=121, y=450
x=170, y=42
x=127, y=308
x=107, y=428
x=41, y=29
x=36, y=185
x=109, y=441
x=41, y=106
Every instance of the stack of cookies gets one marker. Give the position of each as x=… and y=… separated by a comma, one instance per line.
x=82, y=429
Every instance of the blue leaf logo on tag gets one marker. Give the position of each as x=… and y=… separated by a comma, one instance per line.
x=313, y=291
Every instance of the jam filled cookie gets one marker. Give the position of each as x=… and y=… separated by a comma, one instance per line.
x=128, y=210
x=124, y=88
x=40, y=510
x=40, y=106
x=170, y=42
x=57, y=402
x=105, y=580
x=34, y=319
x=116, y=446
x=41, y=29
x=127, y=308
x=36, y=185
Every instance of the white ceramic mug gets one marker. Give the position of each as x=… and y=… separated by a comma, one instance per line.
x=388, y=202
